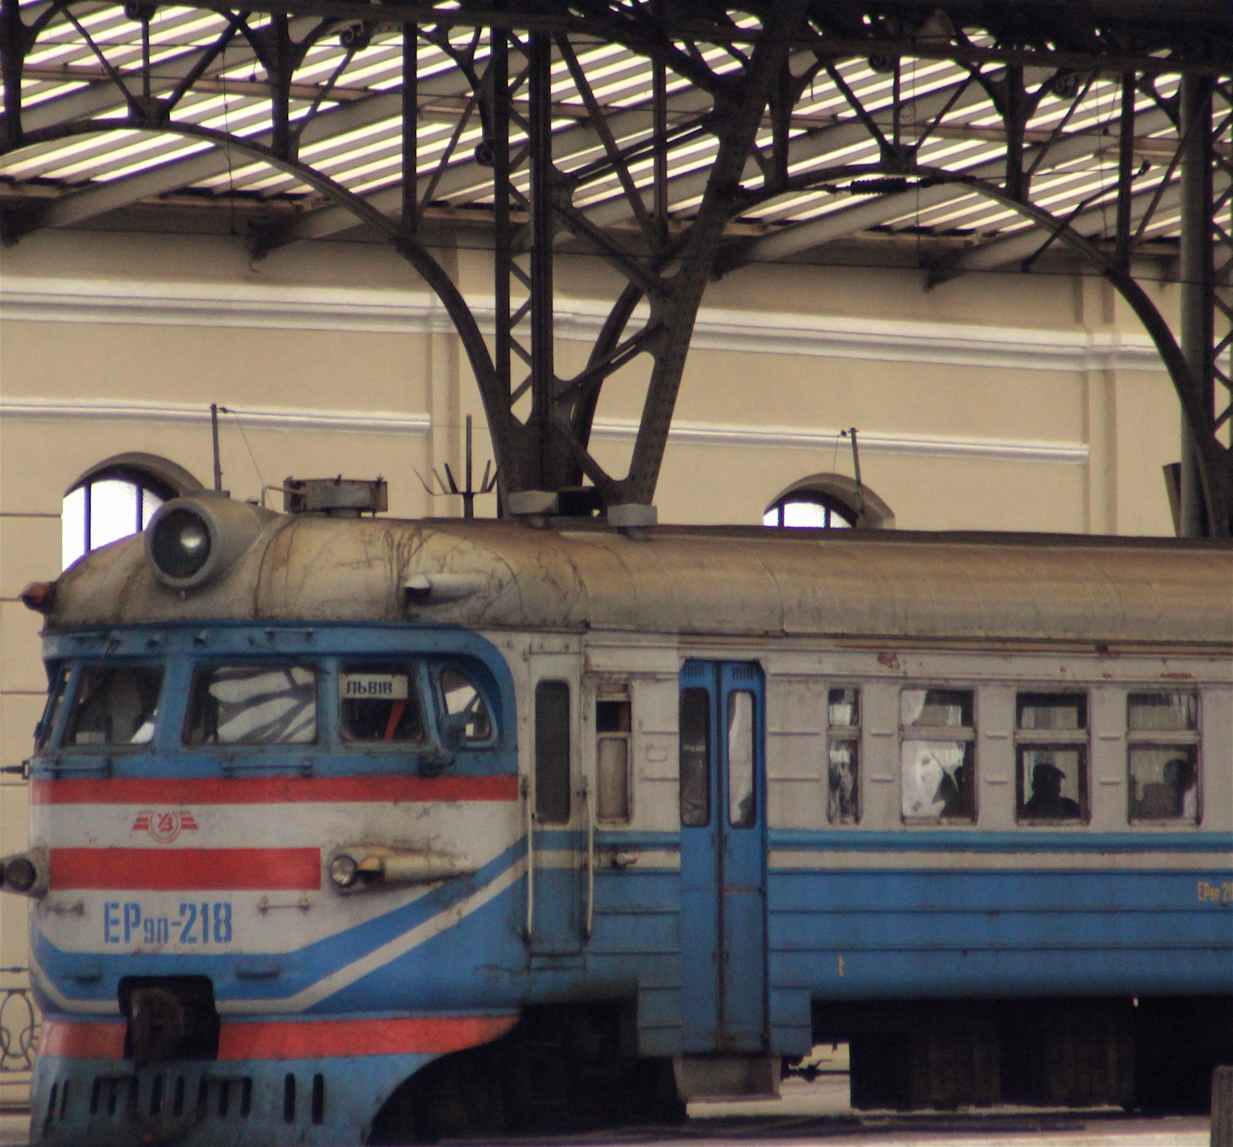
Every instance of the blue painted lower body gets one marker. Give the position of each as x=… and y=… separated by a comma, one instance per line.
x=842, y=936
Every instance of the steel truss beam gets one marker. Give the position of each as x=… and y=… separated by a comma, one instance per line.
x=741, y=117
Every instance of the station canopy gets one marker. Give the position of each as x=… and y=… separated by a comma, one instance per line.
x=872, y=82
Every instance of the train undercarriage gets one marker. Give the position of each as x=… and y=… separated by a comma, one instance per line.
x=572, y=1067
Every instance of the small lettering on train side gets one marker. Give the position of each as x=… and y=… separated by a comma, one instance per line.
x=374, y=687
x=1216, y=892
x=197, y=922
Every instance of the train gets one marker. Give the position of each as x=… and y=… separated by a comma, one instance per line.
x=347, y=828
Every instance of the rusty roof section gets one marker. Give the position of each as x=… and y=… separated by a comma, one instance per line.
x=725, y=582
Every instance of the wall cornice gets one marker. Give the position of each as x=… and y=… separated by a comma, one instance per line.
x=412, y=423
x=359, y=310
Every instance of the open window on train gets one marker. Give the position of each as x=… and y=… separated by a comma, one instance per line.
x=57, y=687
x=467, y=717
x=612, y=755
x=1051, y=756
x=843, y=740
x=552, y=797
x=115, y=705
x=380, y=703
x=1163, y=755
x=937, y=754
x=253, y=705
x=695, y=778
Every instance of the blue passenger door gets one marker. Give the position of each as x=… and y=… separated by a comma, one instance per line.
x=723, y=857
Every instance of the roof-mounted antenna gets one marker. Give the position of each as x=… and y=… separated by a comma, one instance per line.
x=218, y=465
x=856, y=466
x=468, y=493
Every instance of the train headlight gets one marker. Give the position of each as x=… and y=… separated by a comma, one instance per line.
x=20, y=874
x=180, y=543
x=190, y=541
x=344, y=870
x=25, y=873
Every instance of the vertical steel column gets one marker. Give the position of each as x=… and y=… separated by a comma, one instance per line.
x=1197, y=291
x=410, y=130
x=13, y=43
x=543, y=379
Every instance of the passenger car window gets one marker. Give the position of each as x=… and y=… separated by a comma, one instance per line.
x=937, y=731
x=1051, y=753
x=1163, y=756
x=114, y=705
x=843, y=739
x=380, y=703
x=612, y=756
x=465, y=707
x=253, y=705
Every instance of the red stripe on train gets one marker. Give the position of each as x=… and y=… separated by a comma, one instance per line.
x=149, y=869
x=304, y=1039
x=273, y=790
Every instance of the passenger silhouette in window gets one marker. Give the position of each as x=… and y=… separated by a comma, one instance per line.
x=1047, y=802
x=1179, y=775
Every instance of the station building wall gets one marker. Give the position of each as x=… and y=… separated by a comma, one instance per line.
x=999, y=401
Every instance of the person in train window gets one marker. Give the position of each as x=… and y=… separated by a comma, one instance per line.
x=954, y=791
x=1179, y=775
x=1047, y=802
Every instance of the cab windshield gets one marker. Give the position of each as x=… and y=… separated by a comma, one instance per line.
x=114, y=705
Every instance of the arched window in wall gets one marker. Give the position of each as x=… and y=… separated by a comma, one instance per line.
x=829, y=502
x=116, y=498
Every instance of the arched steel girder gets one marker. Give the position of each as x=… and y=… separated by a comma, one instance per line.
x=1216, y=469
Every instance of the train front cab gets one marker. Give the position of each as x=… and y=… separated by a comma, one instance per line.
x=267, y=864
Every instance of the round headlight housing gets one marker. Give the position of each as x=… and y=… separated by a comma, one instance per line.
x=180, y=543
x=193, y=540
x=344, y=870
x=20, y=874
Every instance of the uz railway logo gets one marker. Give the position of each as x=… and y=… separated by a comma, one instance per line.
x=164, y=825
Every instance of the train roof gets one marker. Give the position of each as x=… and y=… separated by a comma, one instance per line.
x=719, y=581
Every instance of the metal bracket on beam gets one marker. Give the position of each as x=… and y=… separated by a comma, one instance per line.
x=626, y=515
x=531, y=503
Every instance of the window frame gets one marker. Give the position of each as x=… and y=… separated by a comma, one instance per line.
x=848, y=735
x=545, y=813
x=1045, y=740
x=436, y=669
x=1165, y=740
x=323, y=715
x=76, y=675
x=415, y=671
x=966, y=735
x=622, y=695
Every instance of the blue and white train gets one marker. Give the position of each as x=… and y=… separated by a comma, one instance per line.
x=354, y=829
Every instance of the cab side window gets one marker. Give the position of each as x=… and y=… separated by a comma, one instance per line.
x=115, y=705
x=466, y=713
x=253, y=705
